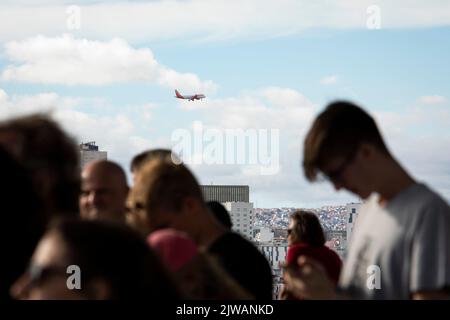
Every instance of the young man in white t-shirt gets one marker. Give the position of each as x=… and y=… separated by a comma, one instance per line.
x=400, y=247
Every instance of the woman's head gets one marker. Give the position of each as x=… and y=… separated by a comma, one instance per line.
x=94, y=260
x=305, y=227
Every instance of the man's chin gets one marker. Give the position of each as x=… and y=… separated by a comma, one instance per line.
x=361, y=194
x=94, y=215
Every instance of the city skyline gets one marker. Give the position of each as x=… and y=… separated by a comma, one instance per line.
x=107, y=70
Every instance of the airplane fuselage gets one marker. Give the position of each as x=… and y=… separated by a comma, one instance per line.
x=190, y=98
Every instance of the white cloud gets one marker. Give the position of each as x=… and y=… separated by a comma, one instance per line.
x=433, y=99
x=418, y=137
x=332, y=79
x=212, y=20
x=12, y=106
x=122, y=135
x=70, y=61
x=283, y=109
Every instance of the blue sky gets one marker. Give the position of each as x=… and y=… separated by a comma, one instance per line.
x=264, y=65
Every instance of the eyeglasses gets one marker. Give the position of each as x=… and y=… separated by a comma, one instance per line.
x=335, y=175
x=134, y=207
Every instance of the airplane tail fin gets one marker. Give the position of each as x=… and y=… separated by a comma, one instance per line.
x=177, y=94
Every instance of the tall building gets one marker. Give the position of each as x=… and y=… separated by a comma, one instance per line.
x=89, y=152
x=352, y=212
x=264, y=235
x=276, y=254
x=224, y=193
x=242, y=217
x=337, y=241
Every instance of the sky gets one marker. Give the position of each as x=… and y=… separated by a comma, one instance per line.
x=107, y=71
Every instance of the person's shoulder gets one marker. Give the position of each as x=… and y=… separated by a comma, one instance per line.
x=425, y=204
x=299, y=247
x=332, y=254
x=233, y=240
x=231, y=244
x=238, y=240
x=428, y=198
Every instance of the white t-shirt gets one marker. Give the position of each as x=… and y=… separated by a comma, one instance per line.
x=400, y=248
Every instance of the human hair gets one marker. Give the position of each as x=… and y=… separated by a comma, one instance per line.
x=338, y=131
x=51, y=158
x=141, y=158
x=307, y=229
x=164, y=185
x=22, y=221
x=110, y=168
x=220, y=213
x=117, y=255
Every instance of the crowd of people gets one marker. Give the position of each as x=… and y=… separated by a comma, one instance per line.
x=159, y=239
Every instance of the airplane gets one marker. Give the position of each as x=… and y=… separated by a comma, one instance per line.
x=190, y=98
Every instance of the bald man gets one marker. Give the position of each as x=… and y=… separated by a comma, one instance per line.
x=104, y=191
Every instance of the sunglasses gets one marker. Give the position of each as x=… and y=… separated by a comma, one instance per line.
x=335, y=175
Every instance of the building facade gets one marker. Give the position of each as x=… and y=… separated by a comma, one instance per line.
x=275, y=253
x=353, y=210
x=242, y=217
x=225, y=193
x=264, y=235
x=89, y=152
x=337, y=241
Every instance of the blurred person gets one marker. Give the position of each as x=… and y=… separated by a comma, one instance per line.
x=221, y=213
x=175, y=248
x=306, y=238
x=114, y=263
x=198, y=274
x=21, y=221
x=205, y=278
x=50, y=157
x=400, y=246
x=167, y=195
x=104, y=191
x=142, y=158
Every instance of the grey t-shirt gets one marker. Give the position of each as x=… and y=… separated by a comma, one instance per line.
x=400, y=248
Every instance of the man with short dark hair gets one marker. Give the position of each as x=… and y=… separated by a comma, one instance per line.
x=142, y=158
x=104, y=192
x=400, y=246
x=167, y=195
x=220, y=213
